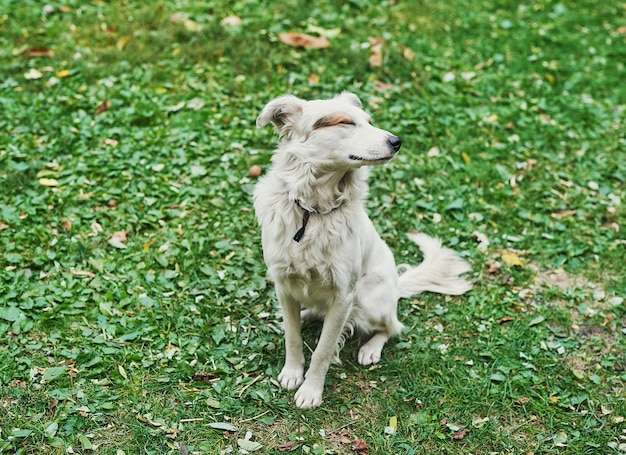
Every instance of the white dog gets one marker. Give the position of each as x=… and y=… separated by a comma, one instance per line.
x=320, y=247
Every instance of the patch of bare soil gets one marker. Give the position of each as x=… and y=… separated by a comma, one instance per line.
x=593, y=319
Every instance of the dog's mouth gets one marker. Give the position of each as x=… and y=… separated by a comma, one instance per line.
x=370, y=160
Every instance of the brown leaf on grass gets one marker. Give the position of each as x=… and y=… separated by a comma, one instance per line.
x=521, y=401
x=458, y=435
x=120, y=236
x=314, y=79
x=303, y=40
x=545, y=118
x=506, y=319
x=381, y=86
x=104, y=106
x=376, y=52
x=202, y=376
x=38, y=52
x=287, y=446
x=360, y=447
x=563, y=214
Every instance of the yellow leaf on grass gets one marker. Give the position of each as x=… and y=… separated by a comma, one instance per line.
x=492, y=118
x=393, y=422
x=231, y=21
x=511, y=259
x=49, y=182
x=466, y=158
x=63, y=73
x=122, y=43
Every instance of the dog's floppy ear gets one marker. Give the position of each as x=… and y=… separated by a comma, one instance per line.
x=351, y=98
x=282, y=112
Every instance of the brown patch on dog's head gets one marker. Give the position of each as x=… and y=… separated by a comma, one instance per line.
x=333, y=120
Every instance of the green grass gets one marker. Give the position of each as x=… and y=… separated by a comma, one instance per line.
x=512, y=115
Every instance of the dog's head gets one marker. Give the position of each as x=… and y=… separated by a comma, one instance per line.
x=335, y=132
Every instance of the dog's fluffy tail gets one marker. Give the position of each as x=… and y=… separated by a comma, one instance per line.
x=440, y=271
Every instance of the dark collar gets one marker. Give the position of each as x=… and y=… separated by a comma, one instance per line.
x=305, y=218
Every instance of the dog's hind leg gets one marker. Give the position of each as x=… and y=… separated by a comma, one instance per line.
x=370, y=352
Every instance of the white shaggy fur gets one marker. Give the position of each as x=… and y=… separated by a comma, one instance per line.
x=338, y=269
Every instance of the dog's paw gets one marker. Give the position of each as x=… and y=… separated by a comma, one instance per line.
x=309, y=396
x=369, y=355
x=291, y=378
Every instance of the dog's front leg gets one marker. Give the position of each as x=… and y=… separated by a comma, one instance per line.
x=292, y=373
x=309, y=395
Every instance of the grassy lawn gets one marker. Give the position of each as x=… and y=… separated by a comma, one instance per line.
x=135, y=317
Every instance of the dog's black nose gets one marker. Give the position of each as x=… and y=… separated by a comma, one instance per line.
x=395, y=142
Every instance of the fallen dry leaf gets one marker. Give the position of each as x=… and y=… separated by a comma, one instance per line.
x=313, y=79
x=287, y=446
x=563, y=214
x=38, y=52
x=521, y=401
x=458, y=435
x=104, y=106
x=83, y=273
x=122, y=43
x=360, y=446
x=376, y=52
x=545, y=118
x=120, y=236
x=303, y=40
x=231, y=21
x=48, y=182
x=202, y=376
x=33, y=74
x=381, y=86
x=510, y=258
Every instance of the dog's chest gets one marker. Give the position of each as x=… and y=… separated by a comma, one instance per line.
x=324, y=258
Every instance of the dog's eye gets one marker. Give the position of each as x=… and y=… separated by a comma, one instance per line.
x=347, y=122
